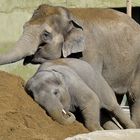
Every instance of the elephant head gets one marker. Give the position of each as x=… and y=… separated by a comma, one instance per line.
x=50, y=91
x=51, y=27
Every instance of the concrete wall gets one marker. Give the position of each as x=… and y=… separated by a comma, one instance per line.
x=13, y=13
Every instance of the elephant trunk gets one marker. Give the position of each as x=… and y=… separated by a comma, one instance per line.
x=63, y=117
x=25, y=46
x=59, y=114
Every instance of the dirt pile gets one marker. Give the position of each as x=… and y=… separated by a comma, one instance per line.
x=23, y=119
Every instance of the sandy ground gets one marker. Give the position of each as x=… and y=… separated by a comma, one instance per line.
x=23, y=119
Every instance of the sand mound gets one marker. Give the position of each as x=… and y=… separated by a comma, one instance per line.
x=23, y=119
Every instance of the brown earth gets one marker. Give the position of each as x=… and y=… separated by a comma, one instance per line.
x=23, y=119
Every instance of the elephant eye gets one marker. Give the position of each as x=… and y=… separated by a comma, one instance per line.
x=46, y=33
x=55, y=92
x=46, y=36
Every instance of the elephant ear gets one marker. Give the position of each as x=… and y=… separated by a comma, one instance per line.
x=57, y=74
x=74, y=40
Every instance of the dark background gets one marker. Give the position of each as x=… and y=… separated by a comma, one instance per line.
x=135, y=12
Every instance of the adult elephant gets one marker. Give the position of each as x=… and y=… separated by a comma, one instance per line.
x=108, y=40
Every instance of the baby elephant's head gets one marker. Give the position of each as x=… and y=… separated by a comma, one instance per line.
x=49, y=89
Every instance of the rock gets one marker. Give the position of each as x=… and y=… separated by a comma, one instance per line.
x=127, y=134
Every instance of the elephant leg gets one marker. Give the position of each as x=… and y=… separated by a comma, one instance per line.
x=107, y=122
x=135, y=112
x=91, y=115
x=134, y=99
x=89, y=105
x=122, y=117
x=109, y=102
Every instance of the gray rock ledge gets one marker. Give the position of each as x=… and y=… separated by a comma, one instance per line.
x=127, y=134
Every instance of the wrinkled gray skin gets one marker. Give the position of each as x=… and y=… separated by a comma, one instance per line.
x=108, y=40
x=93, y=80
x=57, y=88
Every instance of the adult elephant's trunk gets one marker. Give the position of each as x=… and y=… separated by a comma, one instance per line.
x=25, y=46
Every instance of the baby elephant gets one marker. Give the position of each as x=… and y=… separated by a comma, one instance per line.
x=82, y=83
x=60, y=91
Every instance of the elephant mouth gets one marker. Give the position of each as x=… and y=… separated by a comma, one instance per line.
x=66, y=114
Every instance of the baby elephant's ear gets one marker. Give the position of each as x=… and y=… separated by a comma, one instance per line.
x=58, y=75
x=74, y=42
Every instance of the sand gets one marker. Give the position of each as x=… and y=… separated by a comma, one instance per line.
x=23, y=119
